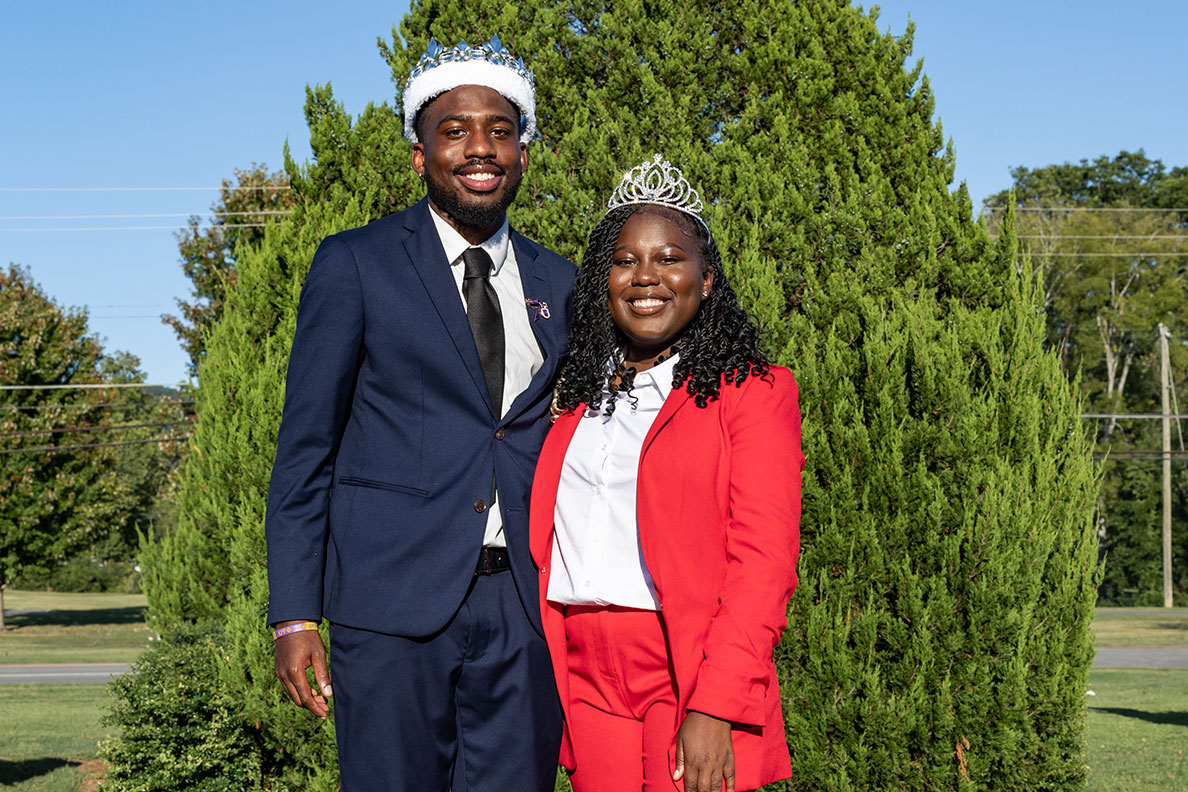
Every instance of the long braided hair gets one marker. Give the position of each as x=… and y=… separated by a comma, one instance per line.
x=720, y=345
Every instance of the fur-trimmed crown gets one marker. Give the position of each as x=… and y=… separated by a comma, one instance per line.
x=490, y=64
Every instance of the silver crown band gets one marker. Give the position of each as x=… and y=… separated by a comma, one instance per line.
x=660, y=183
x=490, y=64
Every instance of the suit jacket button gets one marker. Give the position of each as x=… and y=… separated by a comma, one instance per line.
x=499, y=433
x=480, y=505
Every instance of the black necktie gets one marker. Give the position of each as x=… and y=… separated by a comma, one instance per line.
x=486, y=321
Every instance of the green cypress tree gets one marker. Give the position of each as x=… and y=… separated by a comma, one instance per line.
x=939, y=638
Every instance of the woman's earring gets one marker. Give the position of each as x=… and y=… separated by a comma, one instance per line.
x=704, y=294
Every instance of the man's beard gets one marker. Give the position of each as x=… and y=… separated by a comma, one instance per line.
x=482, y=214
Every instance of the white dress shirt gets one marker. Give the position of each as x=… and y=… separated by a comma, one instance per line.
x=522, y=357
x=597, y=559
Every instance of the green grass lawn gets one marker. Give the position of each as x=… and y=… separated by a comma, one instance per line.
x=1141, y=627
x=1136, y=730
x=49, y=736
x=49, y=627
x=1136, y=726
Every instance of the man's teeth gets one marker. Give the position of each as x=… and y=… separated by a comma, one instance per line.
x=647, y=302
x=481, y=176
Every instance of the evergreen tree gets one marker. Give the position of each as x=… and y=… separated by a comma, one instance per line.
x=940, y=634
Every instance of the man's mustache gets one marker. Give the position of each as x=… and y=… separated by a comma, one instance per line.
x=485, y=162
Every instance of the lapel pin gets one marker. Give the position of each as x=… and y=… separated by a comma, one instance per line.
x=539, y=307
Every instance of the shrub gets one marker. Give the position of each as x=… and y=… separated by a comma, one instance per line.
x=180, y=728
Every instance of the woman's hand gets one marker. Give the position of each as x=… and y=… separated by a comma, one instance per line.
x=704, y=754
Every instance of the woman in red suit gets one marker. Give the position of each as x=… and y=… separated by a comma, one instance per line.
x=665, y=511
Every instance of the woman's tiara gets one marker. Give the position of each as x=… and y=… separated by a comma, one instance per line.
x=660, y=183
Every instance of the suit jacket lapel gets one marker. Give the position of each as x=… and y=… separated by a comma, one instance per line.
x=424, y=250
x=550, y=333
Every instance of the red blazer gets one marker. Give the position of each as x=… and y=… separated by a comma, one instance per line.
x=719, y=513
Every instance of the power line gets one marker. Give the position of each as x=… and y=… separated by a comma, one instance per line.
x=987, y=208
x=1135, y=453
x=1141, y=416
x=156, y=214
x=98, y=385
x=91, y=445
x=233, y=188
x=1101, y=236
x=1109, y=255
x=70, y=429
x=125, y=228
x=96, y=405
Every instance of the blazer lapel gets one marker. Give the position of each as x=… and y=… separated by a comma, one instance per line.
x=546, y=481
x=677, y=399
x=549, y=333
x=424, y=250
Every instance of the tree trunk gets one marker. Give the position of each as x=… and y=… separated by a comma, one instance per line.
x=2, y=627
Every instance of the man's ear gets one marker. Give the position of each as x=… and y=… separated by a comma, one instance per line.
x=417, y=159
x=524, y=157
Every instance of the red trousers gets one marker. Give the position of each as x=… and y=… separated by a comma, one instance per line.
x=622, y=706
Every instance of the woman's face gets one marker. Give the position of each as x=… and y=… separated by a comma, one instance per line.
x=656, y=285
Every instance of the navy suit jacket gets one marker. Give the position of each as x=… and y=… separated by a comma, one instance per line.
x=389, y=440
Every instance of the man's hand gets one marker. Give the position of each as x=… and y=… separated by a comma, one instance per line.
x=295, y=653
x=704, y=754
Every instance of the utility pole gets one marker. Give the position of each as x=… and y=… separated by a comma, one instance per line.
x=1165, y=390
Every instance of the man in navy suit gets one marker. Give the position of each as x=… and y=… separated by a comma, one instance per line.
x=416, y=404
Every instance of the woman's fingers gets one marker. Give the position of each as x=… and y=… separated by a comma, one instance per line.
x=705, y=755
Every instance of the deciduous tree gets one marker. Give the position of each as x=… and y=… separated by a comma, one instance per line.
x=1110, y=239
x=208, y=252
x=61, y=497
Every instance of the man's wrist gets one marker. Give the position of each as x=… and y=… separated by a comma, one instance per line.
x=290, y=627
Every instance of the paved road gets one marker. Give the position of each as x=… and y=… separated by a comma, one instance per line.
x=60, y=672
x=1142, y=657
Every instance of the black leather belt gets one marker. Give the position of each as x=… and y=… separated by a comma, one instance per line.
x=492, y=560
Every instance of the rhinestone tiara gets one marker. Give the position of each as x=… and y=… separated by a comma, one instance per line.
x=658, y=182
x=442, y=69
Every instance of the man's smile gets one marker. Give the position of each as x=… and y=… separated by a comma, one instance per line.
x=485, y=177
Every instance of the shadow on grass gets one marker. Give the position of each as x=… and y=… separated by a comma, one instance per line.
x=1162, y=718
x=1181, y=626
x=15, y=772
x=74, y=618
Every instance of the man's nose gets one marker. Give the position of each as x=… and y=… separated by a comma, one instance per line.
x=480, y=146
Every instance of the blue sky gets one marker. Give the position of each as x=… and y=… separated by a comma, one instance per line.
x=138, y=94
